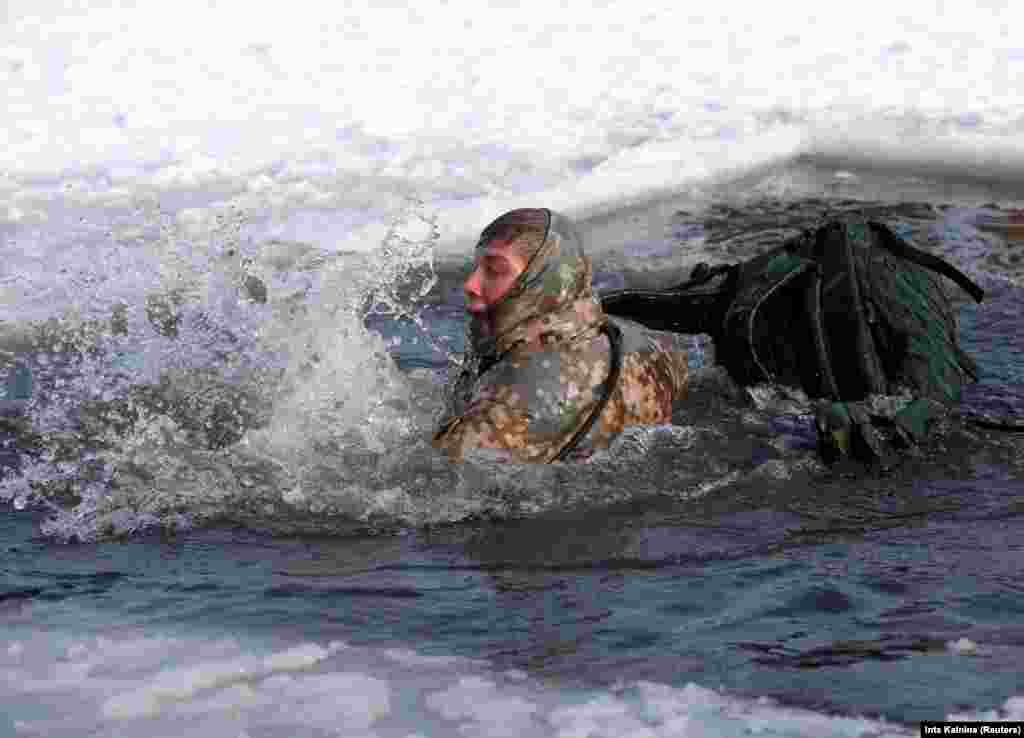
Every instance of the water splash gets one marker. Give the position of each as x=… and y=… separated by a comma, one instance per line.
x=194, y=374
x=189, y=371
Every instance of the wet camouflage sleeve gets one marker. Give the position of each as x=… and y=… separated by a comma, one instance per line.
x=527, y=407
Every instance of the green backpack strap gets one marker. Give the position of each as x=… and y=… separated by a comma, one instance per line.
x=904, y=250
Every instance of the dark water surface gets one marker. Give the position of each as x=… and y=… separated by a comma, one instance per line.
x=841, y=617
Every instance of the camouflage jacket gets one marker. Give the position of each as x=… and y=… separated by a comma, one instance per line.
x=545, y=362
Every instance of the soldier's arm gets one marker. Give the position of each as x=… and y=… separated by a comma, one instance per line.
x=664, y=352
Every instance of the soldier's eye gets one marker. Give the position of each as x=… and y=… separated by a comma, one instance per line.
x=496, y=266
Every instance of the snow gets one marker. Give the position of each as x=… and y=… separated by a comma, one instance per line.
x=138, y=686
x=475, y=108
x=147, y=686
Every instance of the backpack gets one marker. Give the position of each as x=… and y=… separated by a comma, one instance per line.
x=848, y=312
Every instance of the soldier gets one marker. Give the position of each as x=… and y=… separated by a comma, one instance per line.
x=543, y=380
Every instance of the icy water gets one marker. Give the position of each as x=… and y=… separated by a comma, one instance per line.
x=709, y=578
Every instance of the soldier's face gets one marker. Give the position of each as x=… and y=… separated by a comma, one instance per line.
x=495, y=273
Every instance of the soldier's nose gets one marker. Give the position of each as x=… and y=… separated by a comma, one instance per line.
x=472, y=285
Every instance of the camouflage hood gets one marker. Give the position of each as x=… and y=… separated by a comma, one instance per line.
x=553, y=299
x=538, y=380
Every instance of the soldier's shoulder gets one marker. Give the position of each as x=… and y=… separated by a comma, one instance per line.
x=655, y=358
x=638, y=339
